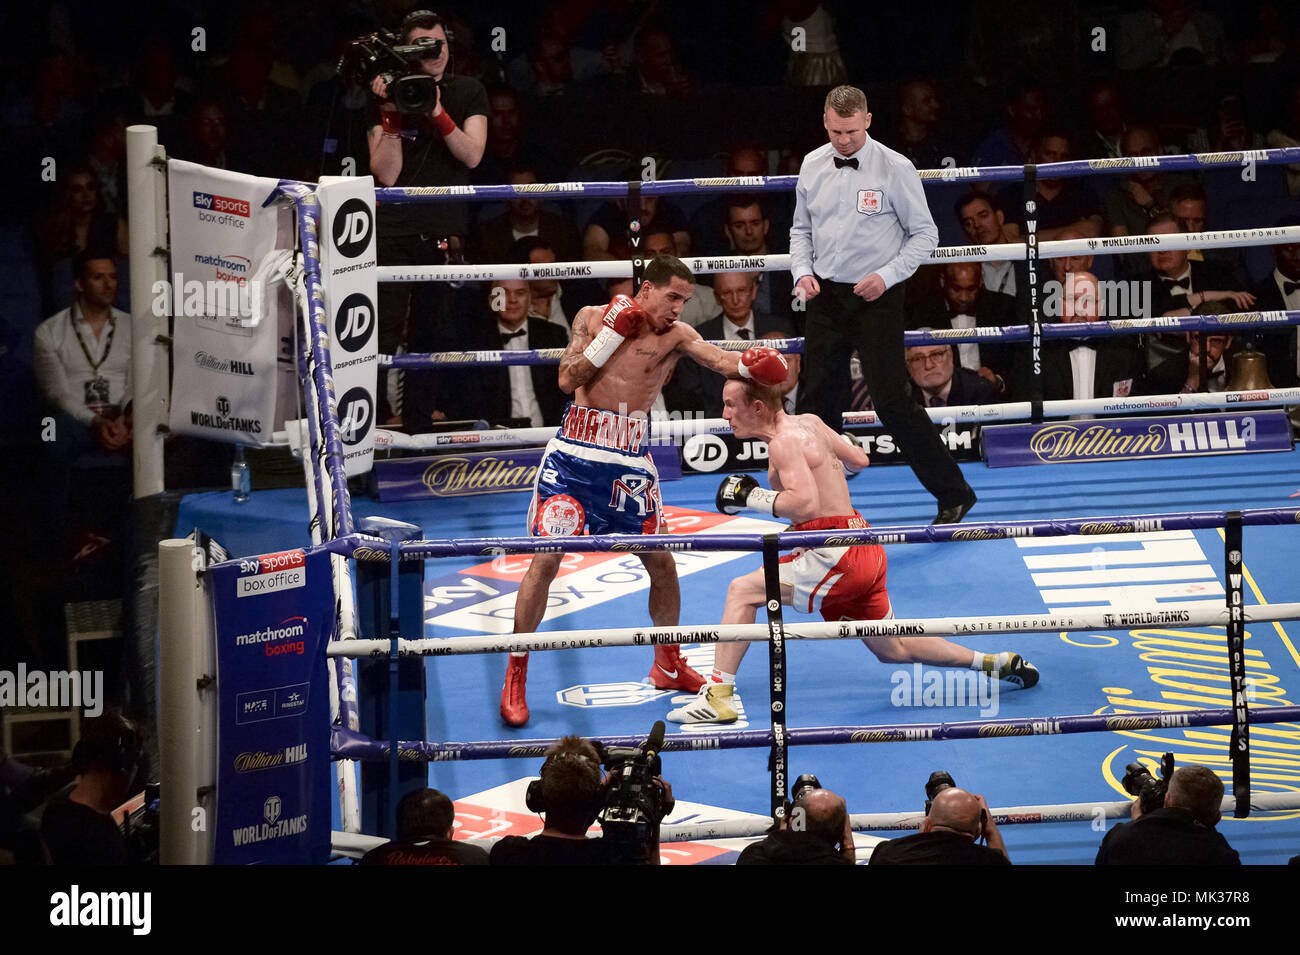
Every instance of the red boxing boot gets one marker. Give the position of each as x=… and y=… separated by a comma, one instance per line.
x=514, y=704
x=671, y=671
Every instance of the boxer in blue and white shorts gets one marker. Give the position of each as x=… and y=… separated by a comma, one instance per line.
x=596, y=477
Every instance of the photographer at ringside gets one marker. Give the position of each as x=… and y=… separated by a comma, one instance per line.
x=570, y=795
x=1180, y=832
x=434, y=148
x=955, y=823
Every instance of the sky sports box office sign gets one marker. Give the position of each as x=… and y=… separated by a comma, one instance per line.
x=480, y=472
x=1127, y=439
x=274, y=614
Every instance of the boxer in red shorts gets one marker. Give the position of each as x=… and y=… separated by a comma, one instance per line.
x=807, y=463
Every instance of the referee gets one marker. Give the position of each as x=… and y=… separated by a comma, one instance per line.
x=861, y=227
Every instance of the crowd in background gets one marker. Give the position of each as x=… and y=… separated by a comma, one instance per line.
x=583, y=90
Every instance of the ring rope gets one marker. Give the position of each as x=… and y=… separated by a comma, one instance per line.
x=1203, y=613
x=352, y=745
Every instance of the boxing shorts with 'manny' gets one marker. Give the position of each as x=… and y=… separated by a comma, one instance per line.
x=596, y=477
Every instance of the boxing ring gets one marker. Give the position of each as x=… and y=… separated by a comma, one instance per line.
x=1187, y=540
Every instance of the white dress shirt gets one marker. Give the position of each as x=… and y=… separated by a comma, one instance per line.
x=523, y=400
x=999, y=277
x=968, y=353
x=731, y=331
x=849, y=223
x=1083, y=362
x=62, y=369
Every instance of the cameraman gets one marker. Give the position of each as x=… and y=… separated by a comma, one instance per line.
x=79, y=828
x=571, y=794
x=1181, y=832
x=818, y=834
x=436, y=148
x=949, y=835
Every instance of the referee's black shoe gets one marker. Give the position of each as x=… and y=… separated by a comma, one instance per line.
x=953, y=513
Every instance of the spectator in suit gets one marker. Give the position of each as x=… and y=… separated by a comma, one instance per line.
x=749, y=231
x=528, y=395
x=1179, y=284
x=1281, y=290
x=708, y=224
x=923, y=137
x=1188, y=205
x=525, y=216
x=966, y=303
x=694, y=388
x=1109, y=367
x=937, y=382
x=1181, y=374
x=986, y=224
x=1139, y=198
x=544, y=294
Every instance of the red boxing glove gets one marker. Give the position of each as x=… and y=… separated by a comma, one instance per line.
x=391, y=121
x=767, y=366
x=622, y=317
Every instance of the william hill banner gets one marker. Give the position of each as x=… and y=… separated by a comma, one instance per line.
x=1126, y=439
x=484, y=472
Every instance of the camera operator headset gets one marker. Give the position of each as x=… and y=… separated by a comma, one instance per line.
x=421, y=140
x=569, y=793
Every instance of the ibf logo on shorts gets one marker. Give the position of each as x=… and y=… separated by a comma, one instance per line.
x=271, y=572
x=224, y=204
x=352, y=228
x=354, y=322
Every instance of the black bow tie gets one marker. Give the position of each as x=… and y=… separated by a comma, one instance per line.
x=841, y=163
x=1289, y=287
x=518, y=333
x=1175, y=286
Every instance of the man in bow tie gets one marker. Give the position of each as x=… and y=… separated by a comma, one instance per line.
x=861, y=228
x=1179, y=285
x=518, y=395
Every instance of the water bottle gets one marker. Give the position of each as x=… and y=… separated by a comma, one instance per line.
x=239, y=476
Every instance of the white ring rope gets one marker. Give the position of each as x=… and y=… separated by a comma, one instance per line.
x=1204, y=613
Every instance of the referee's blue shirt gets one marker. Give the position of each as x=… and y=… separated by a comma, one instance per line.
x=850, y=222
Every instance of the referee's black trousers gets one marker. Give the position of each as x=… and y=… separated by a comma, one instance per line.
x=839, y=322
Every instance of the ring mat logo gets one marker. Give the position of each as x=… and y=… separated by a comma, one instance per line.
x=352, y=228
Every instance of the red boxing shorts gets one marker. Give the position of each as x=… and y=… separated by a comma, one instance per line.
x=840, y=583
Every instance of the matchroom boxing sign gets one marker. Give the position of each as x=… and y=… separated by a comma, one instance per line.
x=1126, y=439
x=350, y=286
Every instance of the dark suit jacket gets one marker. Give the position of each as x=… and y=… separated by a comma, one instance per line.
x=1206, y=277
x=968, y=388
x=694, y=387
x=483, y=392
x=1278, y=345
x=992, y=310
x=1120, y=366
x=492, y=240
